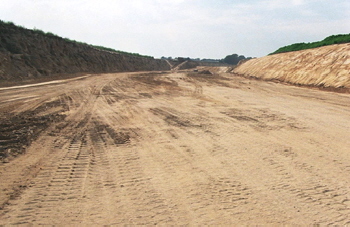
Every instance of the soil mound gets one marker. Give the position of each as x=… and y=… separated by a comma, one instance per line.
x=28, y=54
x=327, y=66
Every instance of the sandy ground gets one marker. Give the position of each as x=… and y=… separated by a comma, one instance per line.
x=178, y=148
x=327, y=66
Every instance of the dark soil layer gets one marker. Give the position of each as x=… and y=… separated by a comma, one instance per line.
x=26, y=54
x=18, y=131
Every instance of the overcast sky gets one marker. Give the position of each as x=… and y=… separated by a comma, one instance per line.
x=188, y=28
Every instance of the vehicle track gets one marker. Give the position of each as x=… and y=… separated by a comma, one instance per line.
x=177, y=148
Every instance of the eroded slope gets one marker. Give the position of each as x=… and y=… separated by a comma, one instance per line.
x=325, y=67
x=28, y=55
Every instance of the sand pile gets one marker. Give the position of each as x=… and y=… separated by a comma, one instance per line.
x=327, y=66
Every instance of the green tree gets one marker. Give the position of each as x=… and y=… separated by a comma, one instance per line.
x=233, y=59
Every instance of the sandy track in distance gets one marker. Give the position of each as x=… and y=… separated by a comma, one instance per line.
x=177, y=148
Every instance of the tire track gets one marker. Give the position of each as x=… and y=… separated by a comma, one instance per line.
x=57, y=185
x=145, y=149
x=313, y=191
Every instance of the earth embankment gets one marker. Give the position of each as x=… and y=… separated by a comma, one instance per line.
x=28, y=54
x=327, y=66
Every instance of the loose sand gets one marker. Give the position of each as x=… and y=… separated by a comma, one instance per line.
x=175, y=148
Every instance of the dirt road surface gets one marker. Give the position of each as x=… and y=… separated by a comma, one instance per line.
x=177, y=148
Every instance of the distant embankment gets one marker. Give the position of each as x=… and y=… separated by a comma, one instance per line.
x=29, y=54
x=327, y=66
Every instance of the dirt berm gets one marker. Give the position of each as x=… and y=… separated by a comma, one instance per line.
x=327, y=66
x=28, y=54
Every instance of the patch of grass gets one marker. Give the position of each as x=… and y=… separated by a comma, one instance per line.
x=118, y=51
x=334, y=39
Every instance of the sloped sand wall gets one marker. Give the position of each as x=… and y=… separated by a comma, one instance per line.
x=327, y=66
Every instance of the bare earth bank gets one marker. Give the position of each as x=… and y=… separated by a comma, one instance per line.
x=327, y=66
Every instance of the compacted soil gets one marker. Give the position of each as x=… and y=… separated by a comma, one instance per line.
x=173, y=148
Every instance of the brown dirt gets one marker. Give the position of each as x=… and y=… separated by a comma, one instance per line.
x=26, y=55
x=177, y=148
x=327, y=67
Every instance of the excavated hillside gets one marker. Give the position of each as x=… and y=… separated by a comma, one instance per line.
x=28, y=54
x=327, y=66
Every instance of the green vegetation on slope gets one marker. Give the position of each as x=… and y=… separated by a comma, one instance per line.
x=334, y=39
x=50, y=34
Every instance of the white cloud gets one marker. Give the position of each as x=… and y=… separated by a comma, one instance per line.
x=195, y=28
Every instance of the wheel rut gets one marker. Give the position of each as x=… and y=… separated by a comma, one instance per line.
x=173, y=149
